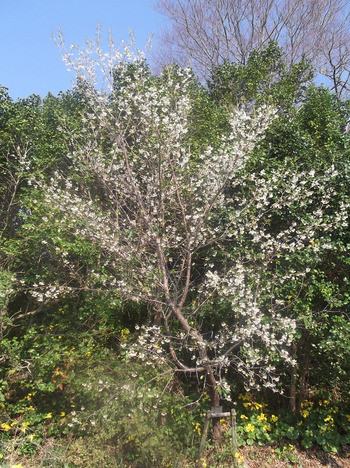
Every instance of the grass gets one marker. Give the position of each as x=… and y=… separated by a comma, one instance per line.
x=70, y=454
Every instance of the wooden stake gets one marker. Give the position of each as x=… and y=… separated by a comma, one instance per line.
x=217, y=413
x=234, y=435
x=204, y=437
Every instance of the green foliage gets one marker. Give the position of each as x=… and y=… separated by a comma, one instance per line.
x=311, y=135
x=264, y=78
x=7, y=280
x=320, y=422
x=35, y=370
x=330, y=349
x=133, y=412
x=324, y=423
x=324, y=117
x=36, y=384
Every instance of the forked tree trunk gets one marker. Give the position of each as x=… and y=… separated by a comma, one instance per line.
x=211, y=383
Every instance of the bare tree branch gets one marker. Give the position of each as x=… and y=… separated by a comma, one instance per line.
x=204, y=33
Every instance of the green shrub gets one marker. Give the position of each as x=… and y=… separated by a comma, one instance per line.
x=130, y=413
x=319, y=422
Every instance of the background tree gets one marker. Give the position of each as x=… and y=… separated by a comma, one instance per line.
x=205, y=34
x=265, y=78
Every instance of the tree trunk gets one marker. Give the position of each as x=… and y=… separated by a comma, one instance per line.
x=293, y=391
x=293, y=384
x=210, y=377
x=303, y=381
x=215, y=401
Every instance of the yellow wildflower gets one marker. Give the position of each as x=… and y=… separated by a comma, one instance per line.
x=197, y=428
x=329, y=420
x=243, y=416
x=249, y=428
x=274, y=418
x=246, y=397
x=124, y=334
x=262, y=417
x=305, y=413
x=5, y=427
x=24, y=426
x=48, y=416
x=307, y=404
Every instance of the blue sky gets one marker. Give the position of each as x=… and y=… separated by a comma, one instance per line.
x=30, y=62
